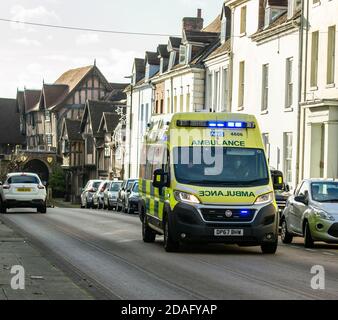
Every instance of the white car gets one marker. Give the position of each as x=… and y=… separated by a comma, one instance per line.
x=23, y=190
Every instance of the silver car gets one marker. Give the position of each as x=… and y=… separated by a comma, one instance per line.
x=88, y=193
x=110, y=195
x=98, y=195
x=312, y=213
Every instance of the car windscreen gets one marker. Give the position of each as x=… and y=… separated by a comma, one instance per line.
x=115, y=187
x=218, y=166
x=23, y=179
x=96, y=184
x=135, y=187
x=324, y=191
x=130, y=184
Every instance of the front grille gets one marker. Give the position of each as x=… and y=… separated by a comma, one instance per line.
x=219, y=215
x=333, y=231
x=281, y=204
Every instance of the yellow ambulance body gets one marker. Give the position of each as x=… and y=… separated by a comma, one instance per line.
x=204, y=178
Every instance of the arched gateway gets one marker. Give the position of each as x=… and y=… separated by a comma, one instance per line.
x=38, y=167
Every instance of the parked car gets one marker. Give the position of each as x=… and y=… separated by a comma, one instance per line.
x=23, y=190
x=123, y=194
x=98, y=195
x=281, y=189
x=312, y=213
x=133, y=198
x=88, y=193
x=110, y=195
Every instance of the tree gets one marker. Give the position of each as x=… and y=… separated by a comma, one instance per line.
x=57, y=180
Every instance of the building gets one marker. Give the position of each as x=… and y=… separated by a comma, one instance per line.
x=264, y=75
x=319, y=101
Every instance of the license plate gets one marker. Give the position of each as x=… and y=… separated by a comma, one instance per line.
x=24, y=189
x=229, y=232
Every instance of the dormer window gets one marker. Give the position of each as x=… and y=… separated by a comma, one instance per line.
x=183, y=55
x=147, y=76
x=272, y=13
x=172, y=59
x=293, y=7
x=161, y=65
x=223, y=30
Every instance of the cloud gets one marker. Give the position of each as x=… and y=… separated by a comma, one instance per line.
x=28, y=42
x=38, y=14
x=87, y=38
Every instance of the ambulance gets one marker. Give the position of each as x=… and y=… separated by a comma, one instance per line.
x=204, y=178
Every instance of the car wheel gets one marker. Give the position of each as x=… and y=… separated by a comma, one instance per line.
x=42, y=209
x=269, y=248
x=308, y=241
x=129, y=210
x=148, y=235
x=285, y=235
x=3, y=209
x=169, y=244
x=87, y=205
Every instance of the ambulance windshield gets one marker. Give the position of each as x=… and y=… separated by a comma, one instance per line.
x=219, y=166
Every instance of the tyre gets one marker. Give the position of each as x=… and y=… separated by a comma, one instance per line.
x=87, y=205
x=269, y=248
x=148, y=235
x=109, y=207
x=3, y=209
x=170, y=245
x=42, y=209
x=308, y=241
x=285, y=235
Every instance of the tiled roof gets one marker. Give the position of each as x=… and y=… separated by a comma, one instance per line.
x=221, y=49
x=139, y=65
x=117, y=93
x=73, y=77
x=32, y=98
x=20, y=100
x=152, y=58
x=200, y=36
x=73, y=129
x=282, y=19
x=214, y=26
x=94, y=110
x=278, y=3
x=162, y=50
x=109, y=122
x=54, y=94
x=175, y=42
x=10, y=123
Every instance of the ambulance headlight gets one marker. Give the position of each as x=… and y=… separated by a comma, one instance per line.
x=265, y=198
x=185, y=197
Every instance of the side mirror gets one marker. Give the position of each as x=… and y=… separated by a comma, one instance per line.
x=44, y=182
x=302, y=199
x=287, y=188
x=160, y=179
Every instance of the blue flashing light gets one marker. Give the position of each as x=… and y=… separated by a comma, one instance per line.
x=221, y=124
x=244, y=212
x=231, y=124
x=213, y=124
x=239, y=124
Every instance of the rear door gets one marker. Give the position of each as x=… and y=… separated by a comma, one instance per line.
x=23, y=185
x=299, y=208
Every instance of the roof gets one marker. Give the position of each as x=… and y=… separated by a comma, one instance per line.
x=162, y=50
x=94, y=110
x=117, y=94
x=214, y=26
x=109, y=121
x=220, y=50
x=54, y=94
x=31, y=98
x=10, y=123
x=73, y=129
x=73, y=77
x=281, y=20
x=139, y=65
x=175, y=42
x=277, y=3
x=20, y=98
x=152, y=58
x=200, y=36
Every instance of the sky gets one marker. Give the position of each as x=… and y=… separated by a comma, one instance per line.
x=30, y=55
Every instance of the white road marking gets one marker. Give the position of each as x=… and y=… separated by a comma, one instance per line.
x=329, y=254
x=127, y=240
x=310, y=250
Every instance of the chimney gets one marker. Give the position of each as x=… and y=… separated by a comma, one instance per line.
x=193, y=24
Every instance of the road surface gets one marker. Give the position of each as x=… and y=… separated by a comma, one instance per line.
x=107, y=248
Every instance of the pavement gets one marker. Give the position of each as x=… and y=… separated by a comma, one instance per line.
x=43, y=280
x=106, y=247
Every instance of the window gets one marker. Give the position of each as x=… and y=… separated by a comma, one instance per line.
x=331, y=44
x=314, y=59
x=288, y=156
x=223, y=30
x=265, y=87
x=161, y=107
x=172, y=59
x=182, y=103
x=47, y=116
x=188, y=102
x=315, y=1
x=288, y=83
x=183, y=54
x=168, y=104
x=266, y=141
x=243, y=20
x=216, y=95
x=107, y=151
x=49, y=139
x=241, y=85
x=175, y=104
x=210, y=90
x=225, y=89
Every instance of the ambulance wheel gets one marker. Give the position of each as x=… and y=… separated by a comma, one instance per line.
x=148, y=234
x=269, y=248
x=169, y=244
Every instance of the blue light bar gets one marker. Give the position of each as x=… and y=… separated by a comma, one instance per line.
x=213, y=124
x=244, y=212
x=216, y=124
